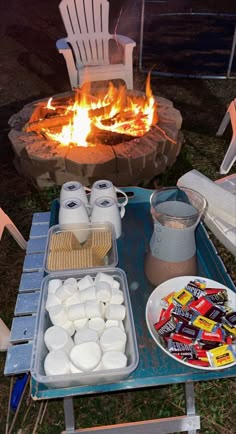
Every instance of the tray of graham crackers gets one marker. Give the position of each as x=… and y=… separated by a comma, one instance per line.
x=82, y=246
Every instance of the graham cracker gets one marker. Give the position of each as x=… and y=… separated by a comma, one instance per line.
x=65, y=251
x=63, y=241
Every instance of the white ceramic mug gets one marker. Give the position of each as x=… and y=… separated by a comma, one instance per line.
x=71, y=213
x=107, y=209
x=105, y=188
x=75, y=190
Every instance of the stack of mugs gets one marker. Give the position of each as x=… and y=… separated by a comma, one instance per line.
x=102, y=206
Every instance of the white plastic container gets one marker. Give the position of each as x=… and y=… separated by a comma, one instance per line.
x=225, y=232
x=95, y=377
x=83, y=231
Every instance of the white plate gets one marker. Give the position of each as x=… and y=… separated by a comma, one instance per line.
x=153, y=309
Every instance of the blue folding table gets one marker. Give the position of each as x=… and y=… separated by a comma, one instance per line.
x=155, y=368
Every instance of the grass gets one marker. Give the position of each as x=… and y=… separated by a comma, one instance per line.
x=202, y=105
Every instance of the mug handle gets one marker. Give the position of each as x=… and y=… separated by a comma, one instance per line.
x=122, y=210
x=124, y=203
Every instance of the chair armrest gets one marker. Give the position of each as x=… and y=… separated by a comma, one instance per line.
x=124, y=41
x=64, y=48
x=62, y=45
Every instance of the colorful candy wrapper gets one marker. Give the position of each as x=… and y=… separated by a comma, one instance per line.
x=181, y=314
x=218, y=336
x=165, y=327
x=166, y=301
x=182, y=297
x=187, y=330
x=204, y=323
x=180, y=349
x=221, y=356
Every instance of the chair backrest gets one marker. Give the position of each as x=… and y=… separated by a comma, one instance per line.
x=5, y=221
x=87, y=26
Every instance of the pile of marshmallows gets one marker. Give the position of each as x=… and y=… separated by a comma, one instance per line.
x=88, y=332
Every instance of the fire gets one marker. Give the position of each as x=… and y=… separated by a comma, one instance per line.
x=116, y=112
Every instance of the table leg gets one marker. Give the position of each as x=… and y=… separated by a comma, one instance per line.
x=69, y=415
x=190, y=402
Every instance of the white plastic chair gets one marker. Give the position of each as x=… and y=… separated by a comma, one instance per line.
x=5, y=221
x=86, y=47
x=230, y=155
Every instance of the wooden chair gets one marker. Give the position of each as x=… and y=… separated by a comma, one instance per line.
x=86, y=47
x=230, y=156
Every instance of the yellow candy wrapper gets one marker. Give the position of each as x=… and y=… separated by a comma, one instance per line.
x=182, y=297
x=221, y=356
x=204, y=323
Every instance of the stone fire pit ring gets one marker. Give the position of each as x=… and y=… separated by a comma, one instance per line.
x=46, y=163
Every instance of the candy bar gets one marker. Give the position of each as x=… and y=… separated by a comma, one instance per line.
x=180, y=314
x=221, y=356
x=177, y=337
x=187, y=330
x=182, y=297
x=195, y=290
x=207, y=308
x=216, y=336
x=198, y=362
x=165, y=327
x=165, y=301
x=201, y=283
x=204, y=323
x=230, y=319
x=218, y=298
x=183, y=350
x=230, y=330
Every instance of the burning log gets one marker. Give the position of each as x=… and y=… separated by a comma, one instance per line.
x=52, y=122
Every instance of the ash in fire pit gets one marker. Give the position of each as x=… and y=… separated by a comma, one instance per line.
x=128, y=138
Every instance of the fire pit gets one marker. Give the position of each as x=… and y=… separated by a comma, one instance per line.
x=128, y=138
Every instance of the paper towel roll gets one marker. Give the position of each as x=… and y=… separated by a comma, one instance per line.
x=221, y=203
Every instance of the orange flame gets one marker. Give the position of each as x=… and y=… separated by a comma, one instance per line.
x=119, y=113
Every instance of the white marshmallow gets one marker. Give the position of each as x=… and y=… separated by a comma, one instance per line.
x=69, y=327
x=86, y=356
x=56, y=338
x=111, y=323
x=115, y=311
x=97, y=324
x=85, y=335
x=103, y=291
x=116, y=284
x=99, y=367
x=76, y=311
x=80, y=323
x=104, y=277
x=117, y=296
x=113, y=339
x=114, y=323
x=53, y=285
x=65, y=291
x=114, y=360
x=75, y=370
x=52, y=300
x=88, y=293
x=57, y=363
x=71, y=281
x=94, y=309
x=58, y=315
x=121, y=325
x=74, y=299
x=85, y=282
